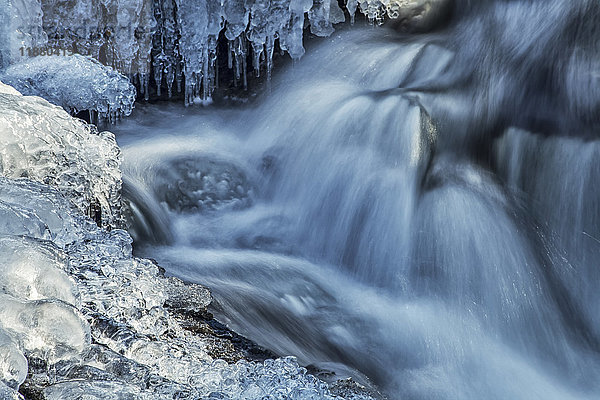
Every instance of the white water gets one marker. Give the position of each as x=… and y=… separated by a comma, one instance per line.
x=336, y=223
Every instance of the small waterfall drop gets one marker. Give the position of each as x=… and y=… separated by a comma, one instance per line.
x=384, y=213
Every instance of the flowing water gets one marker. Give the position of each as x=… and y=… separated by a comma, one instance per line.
x=385, y=212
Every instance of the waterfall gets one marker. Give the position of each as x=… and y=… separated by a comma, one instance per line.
x=418, y=212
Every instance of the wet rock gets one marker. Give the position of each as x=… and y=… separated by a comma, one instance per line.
x=418, y=15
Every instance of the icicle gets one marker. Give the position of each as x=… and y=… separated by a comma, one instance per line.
x=158, y=78
x=146, y=91
x=257, y=51
x=189, y=86
x=239, y=55
x=178, y=76
x=144, y=81
x=205, y=75
x=141, y=83
x=270, y=46
x=318, y=15
x=244, y=67
x=170, y=78
x=230, y=54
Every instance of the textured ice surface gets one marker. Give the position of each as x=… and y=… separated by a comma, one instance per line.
x=75, y=82
x=13, y=364
x=34, y=272
x=43, y=143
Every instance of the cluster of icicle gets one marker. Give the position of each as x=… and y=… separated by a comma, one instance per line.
x=253, y=30
x=176, y=39
x=80, y=317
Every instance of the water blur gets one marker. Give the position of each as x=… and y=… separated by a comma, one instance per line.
x=418, y=212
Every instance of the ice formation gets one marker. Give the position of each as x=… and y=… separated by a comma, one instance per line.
x=118, y=33
x=253, y=30
x=79, y=315
x=42, y=142
x=176, y=43
x=76, y=83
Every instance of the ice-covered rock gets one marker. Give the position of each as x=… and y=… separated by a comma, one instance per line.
x=43, y=143
x=31, y=270
x=74, y=82
x=141, y=349
x=416, y=15
x=13, y=364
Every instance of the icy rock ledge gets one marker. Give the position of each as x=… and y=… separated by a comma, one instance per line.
x=76, y=83
x=81, y=317
x=42, y=142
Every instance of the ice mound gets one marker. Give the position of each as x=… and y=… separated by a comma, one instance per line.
x=43, y=143
x=33, y=272
x=76, y=83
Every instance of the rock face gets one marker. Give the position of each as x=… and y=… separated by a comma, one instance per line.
x=79, y=315
x=418, y=15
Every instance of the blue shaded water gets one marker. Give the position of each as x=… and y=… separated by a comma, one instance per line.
x=386, y=213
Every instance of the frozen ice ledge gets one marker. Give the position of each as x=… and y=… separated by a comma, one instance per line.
x=79, y=315
x=177, y=44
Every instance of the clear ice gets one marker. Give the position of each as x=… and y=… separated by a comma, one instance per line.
x=42, y=142
x=76, y=83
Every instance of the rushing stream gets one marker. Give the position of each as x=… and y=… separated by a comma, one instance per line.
x=386, y=213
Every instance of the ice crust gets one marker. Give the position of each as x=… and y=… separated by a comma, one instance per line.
x=79, y=315
x=76, y=83
x=43, y=143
